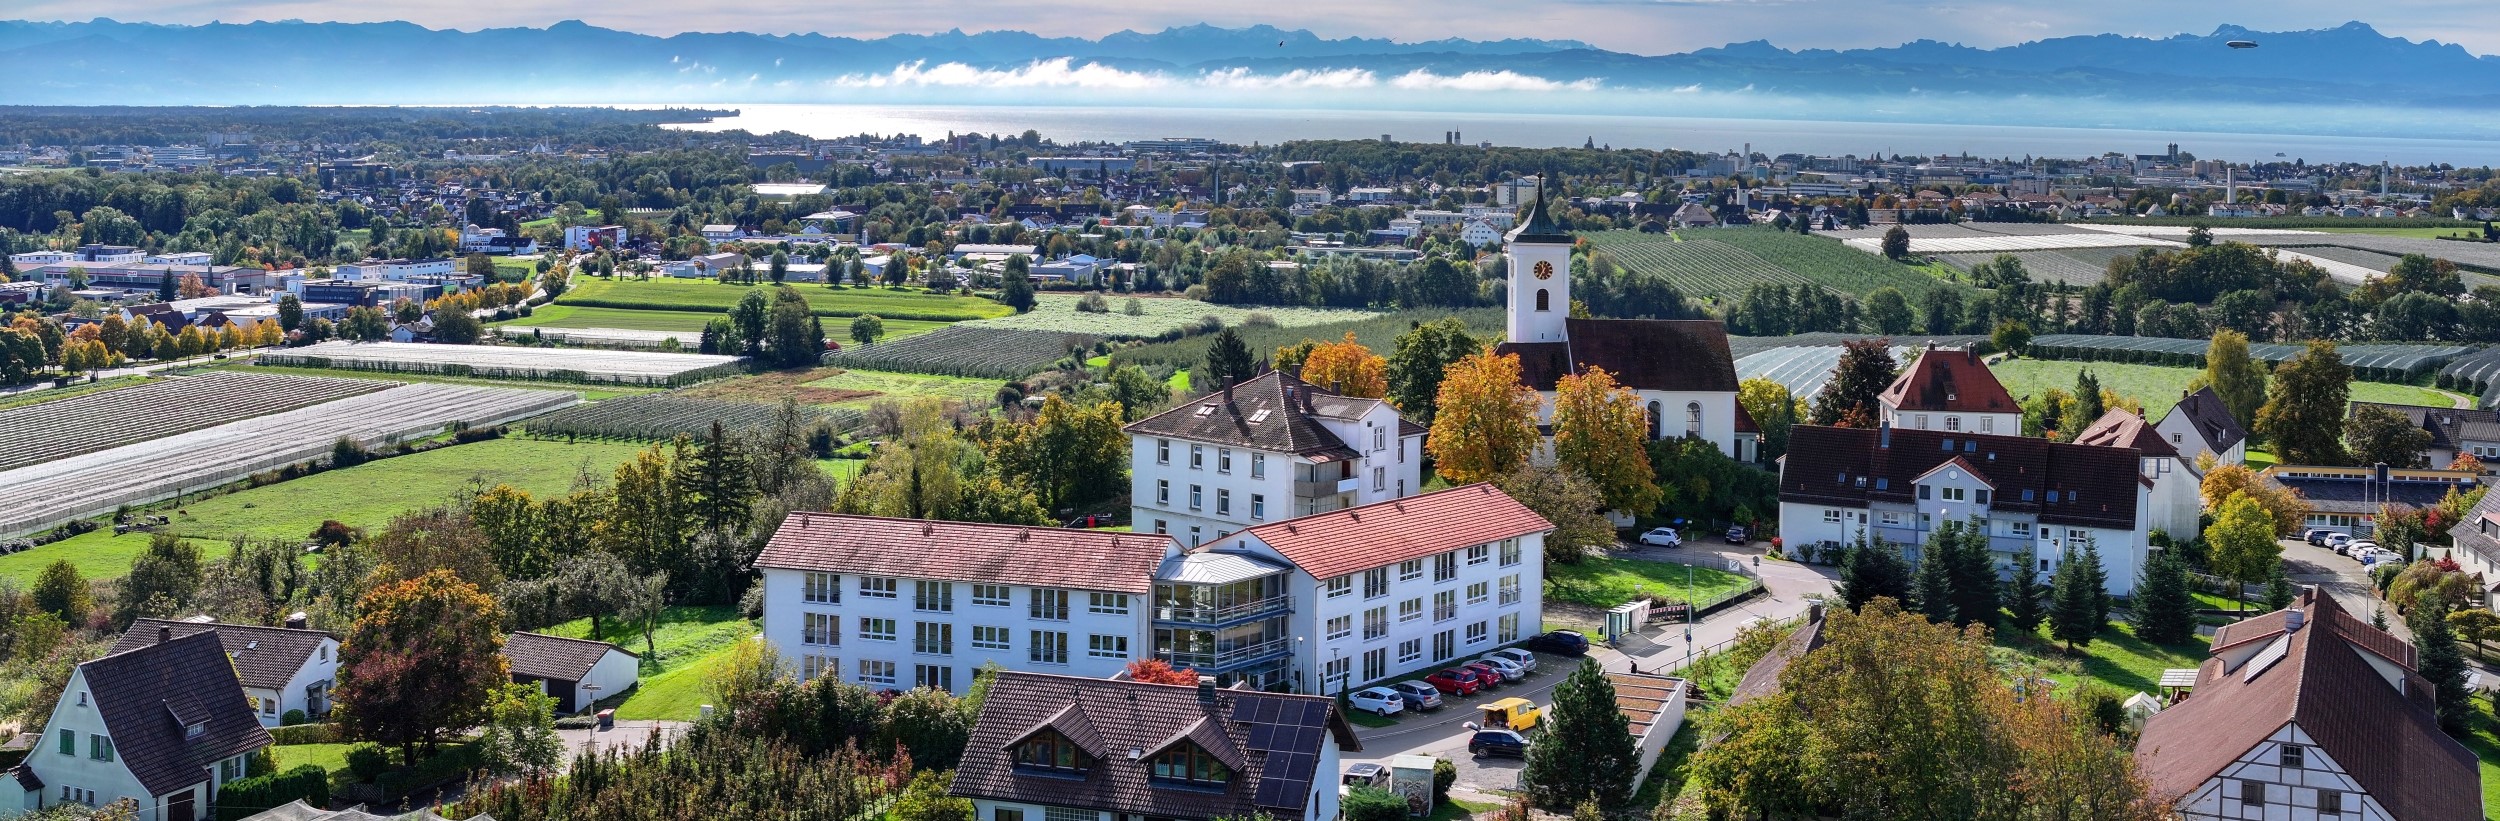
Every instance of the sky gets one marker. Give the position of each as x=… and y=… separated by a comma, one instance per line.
x=1635, y=26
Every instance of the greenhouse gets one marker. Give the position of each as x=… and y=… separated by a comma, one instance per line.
x=578, y=365
x=624, y=338
x=2377, y=363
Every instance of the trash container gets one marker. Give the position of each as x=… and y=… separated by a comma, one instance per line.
x=607, y=719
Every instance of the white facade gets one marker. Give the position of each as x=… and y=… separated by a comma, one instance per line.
x=616, y=671
x=1995, y=424
x=2181, y=433
x=2290, y=778
x=593, y=237
x=79, y=765
x=1479, y=233
x=2175, y=503
x=1949, y=493
x=308, y=691
x=1404, y=617
x=181, y=258
x=1540, y=292
x=1198, y=491
x=887, y=632
x=397, y=270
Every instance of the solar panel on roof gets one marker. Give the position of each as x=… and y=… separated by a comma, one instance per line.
x=1262, y=736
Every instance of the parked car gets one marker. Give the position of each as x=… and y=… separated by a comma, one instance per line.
x=1419, y=696
x=1514, y=714
x=1456, y=681
x=1489, y=674
x=1379, y=701
x=2318, y=536
x=1363, y=775
x=1510, y=670
x=2339, y=541
x=1526, y=660
x=1663, y=537
x=1497, y=742
x=1736, y=534
x=1559, y=642
x=2359, y=548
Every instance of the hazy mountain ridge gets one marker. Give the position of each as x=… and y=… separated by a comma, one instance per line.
x=105, y=61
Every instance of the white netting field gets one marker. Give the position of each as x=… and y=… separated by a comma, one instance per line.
x=576, y=365
x=84, y=424
x=97, y=482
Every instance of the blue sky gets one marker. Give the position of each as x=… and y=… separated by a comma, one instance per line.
x=1638, y=26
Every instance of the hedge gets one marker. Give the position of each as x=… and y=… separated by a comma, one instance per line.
x=304, y=734
x=250, y=796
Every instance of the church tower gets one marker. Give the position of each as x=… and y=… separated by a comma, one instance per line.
x=1540, y=276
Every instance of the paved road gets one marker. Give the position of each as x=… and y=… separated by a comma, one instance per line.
x=1660, y=649
x=628, y=736
x=133, y=370
x=2339, y=576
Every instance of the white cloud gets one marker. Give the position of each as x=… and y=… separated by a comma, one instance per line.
x=1335, y=78
x=1505, y=80
x=1054, y=73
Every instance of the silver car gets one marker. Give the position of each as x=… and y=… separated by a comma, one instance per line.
x=1526, y=660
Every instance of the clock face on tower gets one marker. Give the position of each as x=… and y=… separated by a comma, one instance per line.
x=1544, y=270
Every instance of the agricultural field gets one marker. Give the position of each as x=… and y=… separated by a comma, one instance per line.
x=511, y=362
x=707, y=296
x=39, y=396
x=1803, y=370
x=577, y=316
x=2382, y=362
x=870, y=386
x=96, y=421
x=96, y=482
x=2158, y=386
x=1827, y=262
x=1379, y=333
x=661, y=416
x=588, y=393
x=364, y=496
x=1702, y=268
x=994, y=353
x=2073, y=266
x=1158, y=317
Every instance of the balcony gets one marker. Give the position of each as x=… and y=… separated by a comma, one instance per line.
x=1219, y=615
x=1307, y=488
x=1228, y=655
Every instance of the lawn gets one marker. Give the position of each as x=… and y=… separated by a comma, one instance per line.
x=692, y=642
x=576, y=316
x=708, y=296
x=2116, y=659
x=889, y=384
x=1604, y=581
x=332, y=757
x=2159, y=386
x=2486, y=728
x=363, y=496
x=2260, y=460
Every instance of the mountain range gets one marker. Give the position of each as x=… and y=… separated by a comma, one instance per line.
x=290, y=62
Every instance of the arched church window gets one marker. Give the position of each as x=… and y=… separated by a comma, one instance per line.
x=1544, y=302
x=1692, y=419
x=1657, y=421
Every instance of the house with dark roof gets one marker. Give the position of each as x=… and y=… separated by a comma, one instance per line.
x=2348, y=498
x=1070, y=748
x=2309, y=712
x=575, y=672
x=163, y=724
x=2201, y=424
x=1269, y=449
x=2175, y=501
x=2475, y=545
x=2453, y=431
x=282, y=669
x=2038, y=499
x=1681, y=368
x=1950, y=389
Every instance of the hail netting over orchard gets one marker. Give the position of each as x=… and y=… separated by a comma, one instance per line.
x=660, y=416
x=141, y=472
x=548, y=364
x=2399, y=363
x=85, y=424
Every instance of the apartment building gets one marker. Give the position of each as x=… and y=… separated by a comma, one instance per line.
x=1950, y=389
x=1266, y=450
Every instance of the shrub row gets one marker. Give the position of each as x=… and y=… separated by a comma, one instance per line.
x=883, y=313
x=250, y=796
x=304, y=734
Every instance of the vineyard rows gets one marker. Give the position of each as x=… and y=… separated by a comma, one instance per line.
x=85, y=424
x=577, y=365
x=2074, y=266
x=960, y=350
x=2013, y=242
x=141, y=472
x=1826, y=262
x=1703, y=268
x=1162, y=318
x=661, y=416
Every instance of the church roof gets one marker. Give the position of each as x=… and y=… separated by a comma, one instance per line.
x=1642, y=354
x=1539, y=227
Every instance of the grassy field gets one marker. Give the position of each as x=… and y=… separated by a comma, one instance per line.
x=588, y=393
x=364, y=496
x=2158, y=386
x=576, y=316
x=838, y=387
x=691, y=642
x=332, y=757
x=887, y=384
x=42, y=395
x=2117, y=659
x=1601, y=581
x=1158, y=316
x=708, y=296
x=1815, y=259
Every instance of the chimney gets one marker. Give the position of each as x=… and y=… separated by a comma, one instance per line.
x=164, y=634
x=1883, y=435
x=2291, y=620
x=297, y=620
x=1228, y=390
x=1206, y=691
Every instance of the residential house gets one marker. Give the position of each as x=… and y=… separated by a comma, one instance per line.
x=2476, y=540
x=2037, y=498
x=2309, y=713
x=1950, y=389
x=1681, y=368
x=283, y=669
x=1479, y=233
x=899, y=603
x=1069, y=748
x=722, y=233
x=576, y=672
x=2175, y=488
x=594, y=237
x=2201, y=424
x=163, y=725
x=2348, y=498
x=1268, y=449
x=2453, y=431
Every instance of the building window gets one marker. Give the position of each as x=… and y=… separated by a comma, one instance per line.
x=1258, y=466
x=1508, y=627
x=1444, y=645
x=1336, y=672
x=821, y=628
x=1162, y=528
x=1188, y=764
x=872, y=671
x=1112, y=604
x=2291, y=756
x=1657, y=421
x=989, y=638
x=1380, y=479
x=1987, y=424
x=933, y=597
x=1106, y=647
x=1069, y=814
x=876, y=629
x=1375, y=582
x=1981, y=495
x=69, y=742
x=933, y=676
x=1375, y=624
x=1049, y=604
x=1445, y=566
x=1049, y=647
x=2330, y=802
x=1223, y=501
x=1477, y=593
x=1955, y=494
x=1197, y=457
x=824, y=588
x=1831, y=515
x=1479, y=554
x=1223, y=460
x=1510, y=552
x=991, y=595
x=812, y=665
x=933, y=638
x=1197, y=497
x=1339, y=586
x=1006, y=814
x=1919, y=420
x=1411, y=609
x=1258, y=506
x=1163, y=491
x=1692, y=419
x=1380, y=439
x=1476, y=633
x=1953, y=423
x=2022, y=529
x=1340, y=627
x=1410, y=650
x=877, y=587
x=2253, y=793
x=1375, y=664
x=1544, y=301
x=1048, y=750
x=1163, y=451
x=1510, y=589
x=1925, y=492
x=1410, y=570
x=1445, y=605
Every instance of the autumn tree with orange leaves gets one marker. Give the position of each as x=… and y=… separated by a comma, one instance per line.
x=1347, y=368
x=1600, y=430
x=421, y=662
x=1158, y=671
x=1486, y=425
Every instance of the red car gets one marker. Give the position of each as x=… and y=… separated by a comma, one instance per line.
x=1456, y=681
x=1485, y=672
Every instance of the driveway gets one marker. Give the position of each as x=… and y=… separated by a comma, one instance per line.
x=627, y=736
x=2340, y=576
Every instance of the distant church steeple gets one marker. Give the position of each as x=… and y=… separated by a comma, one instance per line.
x=1540, y=276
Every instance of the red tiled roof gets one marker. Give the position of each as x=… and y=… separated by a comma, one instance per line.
x=1949, y=379
x=2121, y=428
x=965, y=552
x=1328, y=545
x=2065, y=484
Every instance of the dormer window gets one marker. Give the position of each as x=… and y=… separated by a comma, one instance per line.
x=1188, y=763
x=1048, y=750
x=193, y=731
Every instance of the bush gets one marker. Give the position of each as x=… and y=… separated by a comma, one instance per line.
x=245, y=797
x=301, y=733
x=1093, y=303
x=1444, y=776
x=1373, y=804
x=292, y=718
x=367, y=761
x=454, y=762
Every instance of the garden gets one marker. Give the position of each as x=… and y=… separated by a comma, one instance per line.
x=1605, y=581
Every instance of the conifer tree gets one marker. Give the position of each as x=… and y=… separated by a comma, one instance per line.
x=1974, y=576
x=2441, y=662
x=1873, y=571
x=1934, y=584
x=2164, y=612
x=2023, y=606
x=1586, y=752
x=2073, y=603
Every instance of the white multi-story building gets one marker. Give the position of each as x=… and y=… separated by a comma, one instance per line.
x=1952, y=390
x=2174, y=488
x=179, y=258
x=1479, y=233
x=1266, y=450
x=593, y=237
x=902, y=603
x=398, y=270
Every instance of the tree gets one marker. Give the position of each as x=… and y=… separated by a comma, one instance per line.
x=2376, y=434
x=751, y=318
x=1347, y=369
x=61, y=591
x=1850, y=398
x=866, y=328
x=2306, y=410
x=1486, y=422
x=1158, y=671
x=165, y=287
x=925, y=799
x=2283, y=504
x=1888, y=312
x=1873, y=570
x=2013, y=336
x=1774, y=411
x=457, y=327
x=480, y=266
x=780, y=266
x=1897, y=243
x=2237, y=378
x=519, y=736
x=2088, y=404
x=2440, y=662
x=2242, y=545
x=1931, y=588
x=2164, y=609
x=2074, y=602
x=2473, y=625
x=1070, y=454
x=290, y=312
x=2024, y=608
x=1415, y=369
x=1570, y=502
x=717, y=485
x=1598, y=431
x=1756, y=769
x=797, y=339
x=420, y=662
x=1017, y=291
x=1228, y=360
x=162, y=581
x=1586, y=752
x=927, y=723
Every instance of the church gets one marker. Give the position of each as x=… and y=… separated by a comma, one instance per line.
x=1681, y=368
